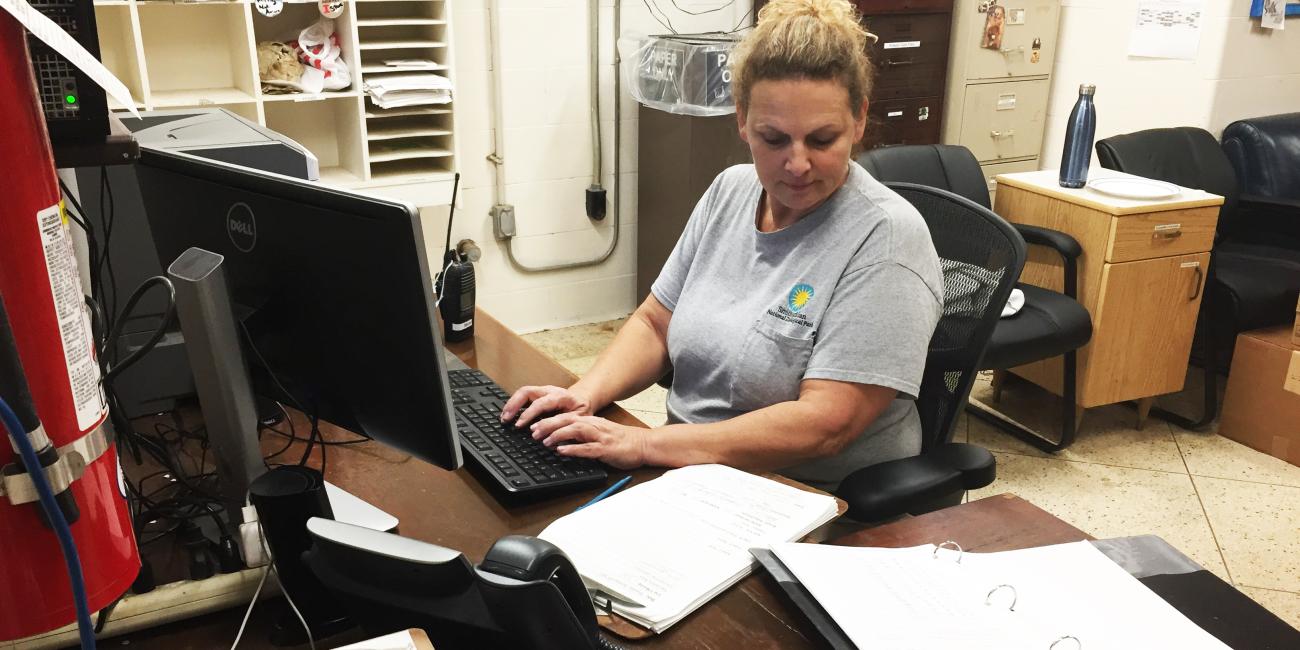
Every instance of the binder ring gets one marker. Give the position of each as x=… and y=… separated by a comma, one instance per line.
x=1014, y=598
x=1077, y=643
x=935, y=554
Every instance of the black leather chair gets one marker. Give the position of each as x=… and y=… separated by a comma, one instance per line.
x=1050, y=324
x=982, y=256
x=1254, y=273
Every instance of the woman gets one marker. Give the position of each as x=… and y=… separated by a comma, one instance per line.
x=797, y=306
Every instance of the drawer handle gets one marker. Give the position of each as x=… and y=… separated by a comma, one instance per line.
x=1196, y=287
x=894, y=63
x=1002, y=134
x=1165, y=232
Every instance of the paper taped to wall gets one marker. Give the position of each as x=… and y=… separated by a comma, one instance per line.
x=54, y=36
x=1167, y=29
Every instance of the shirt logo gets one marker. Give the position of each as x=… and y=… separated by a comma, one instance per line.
x=799, y=296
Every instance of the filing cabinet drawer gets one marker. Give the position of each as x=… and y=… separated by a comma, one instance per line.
x=903, y=121
x=991, y=171
x=911, y=56
x=1004, y=120
x=1162, y=234
x=1026, y=23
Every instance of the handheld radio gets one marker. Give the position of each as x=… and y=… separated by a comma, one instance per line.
x=455, y=285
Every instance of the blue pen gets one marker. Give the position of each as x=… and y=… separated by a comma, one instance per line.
x=608, y=491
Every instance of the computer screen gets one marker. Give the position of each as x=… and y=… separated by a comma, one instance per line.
x=333, y=289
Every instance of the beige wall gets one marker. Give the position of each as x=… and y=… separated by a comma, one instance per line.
x=1240, y=71
x=548, y=143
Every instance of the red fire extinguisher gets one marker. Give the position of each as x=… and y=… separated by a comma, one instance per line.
x=42, y=295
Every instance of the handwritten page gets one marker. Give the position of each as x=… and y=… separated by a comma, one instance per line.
x=671, y=544
x=910, y=599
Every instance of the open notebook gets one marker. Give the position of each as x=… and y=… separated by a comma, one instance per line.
x=662, y=548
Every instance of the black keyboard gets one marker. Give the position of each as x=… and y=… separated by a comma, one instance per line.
x=517, y=464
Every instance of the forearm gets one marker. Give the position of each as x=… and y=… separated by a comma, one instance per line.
x=636, y=358
x=777, y=436
x=827, y=417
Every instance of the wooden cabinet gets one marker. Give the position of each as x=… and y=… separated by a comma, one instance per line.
x=1141, y=277
x=191, y=54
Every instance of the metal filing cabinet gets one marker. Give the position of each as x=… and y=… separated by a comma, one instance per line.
x=997, y=96
x=911, y=61
x=911, y=64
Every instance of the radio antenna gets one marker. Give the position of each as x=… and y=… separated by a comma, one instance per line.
x=455, y=186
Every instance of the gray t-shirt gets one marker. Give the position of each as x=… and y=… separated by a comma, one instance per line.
x=851, y=292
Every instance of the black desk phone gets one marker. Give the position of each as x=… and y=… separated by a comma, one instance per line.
x=525, y=594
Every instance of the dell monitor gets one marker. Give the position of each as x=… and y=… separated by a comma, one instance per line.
x=332, y=289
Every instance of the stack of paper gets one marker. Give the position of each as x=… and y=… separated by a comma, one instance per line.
x=665, y=547
x=394, y=91
x=911, y=599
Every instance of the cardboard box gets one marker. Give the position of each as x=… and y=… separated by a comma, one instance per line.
x=1295, y=334
x=1261, y=408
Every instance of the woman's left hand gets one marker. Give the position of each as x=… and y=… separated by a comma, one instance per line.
x=588, y=436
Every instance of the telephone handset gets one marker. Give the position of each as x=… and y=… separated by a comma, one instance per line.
x=532, y=560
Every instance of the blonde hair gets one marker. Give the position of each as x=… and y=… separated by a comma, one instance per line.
x=804, y=39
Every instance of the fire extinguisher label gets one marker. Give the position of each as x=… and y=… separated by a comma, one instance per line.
x=74, y=319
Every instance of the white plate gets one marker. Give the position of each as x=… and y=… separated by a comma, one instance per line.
x=1134, y=188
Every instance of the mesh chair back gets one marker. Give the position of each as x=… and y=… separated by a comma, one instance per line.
x=981, y=256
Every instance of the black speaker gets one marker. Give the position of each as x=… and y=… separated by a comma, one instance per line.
x=285, y=498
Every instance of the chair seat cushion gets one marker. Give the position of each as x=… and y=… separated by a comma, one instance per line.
x=1050, y=324
x=1256, y=284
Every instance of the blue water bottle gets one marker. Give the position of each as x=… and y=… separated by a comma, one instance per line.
x=1079, y=132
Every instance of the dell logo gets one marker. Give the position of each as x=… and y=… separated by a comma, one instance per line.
x=241, y=226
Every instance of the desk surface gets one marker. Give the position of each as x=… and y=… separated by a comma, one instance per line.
x=452, y=509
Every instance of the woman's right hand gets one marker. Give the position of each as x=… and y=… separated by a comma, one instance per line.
x=531, y=402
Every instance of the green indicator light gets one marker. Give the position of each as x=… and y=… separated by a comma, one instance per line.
x=71, y=99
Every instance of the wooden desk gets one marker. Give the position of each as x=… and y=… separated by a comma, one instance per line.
x=1141, y=277
x=452, y=509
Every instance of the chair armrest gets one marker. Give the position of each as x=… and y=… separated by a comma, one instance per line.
x=886, y=490
x=1062, y=243
x=1257, y=201
x=1266, y=219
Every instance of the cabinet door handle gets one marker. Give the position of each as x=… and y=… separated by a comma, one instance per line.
x=903, y=62
x=1002, y=134
x=1196, y=287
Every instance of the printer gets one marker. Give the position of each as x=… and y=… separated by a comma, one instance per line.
x=219, y=134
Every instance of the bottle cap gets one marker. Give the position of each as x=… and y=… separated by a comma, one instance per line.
x=1087, y=89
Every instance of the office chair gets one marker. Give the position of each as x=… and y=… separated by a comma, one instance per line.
x=1050, y=324
x=1254, y=273
x=981, y=256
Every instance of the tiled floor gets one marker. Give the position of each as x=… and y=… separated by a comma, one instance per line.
x=1234, y=510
